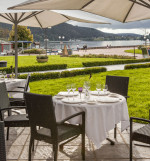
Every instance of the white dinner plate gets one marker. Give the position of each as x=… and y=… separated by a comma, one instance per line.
x=72, y=101
x=91, y=102
x=108, y=99
x=59, y=97
x=101, y=93
x=70, y=94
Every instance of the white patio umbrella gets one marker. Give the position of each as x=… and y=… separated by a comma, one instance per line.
x=120, y=10
x=33, y=18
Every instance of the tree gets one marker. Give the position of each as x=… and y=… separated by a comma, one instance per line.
x=23, y=34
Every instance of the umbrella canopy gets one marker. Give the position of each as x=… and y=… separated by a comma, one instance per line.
x=33, y=18
x=120, y=10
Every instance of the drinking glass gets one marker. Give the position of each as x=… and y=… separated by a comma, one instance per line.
x=87, y=85
x=68, y=89
x=73, y=87
x=98, y=88
x=4, y=73
x=105, y=88
x=80, y=91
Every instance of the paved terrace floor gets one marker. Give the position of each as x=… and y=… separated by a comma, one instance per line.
x=18, y=144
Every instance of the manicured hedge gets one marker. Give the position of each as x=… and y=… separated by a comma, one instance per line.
x=54, y=75
x=34, y=68
x=34, y=51
x=135, y=66
x=103, y=56
x=100, y=63
x=82, y=71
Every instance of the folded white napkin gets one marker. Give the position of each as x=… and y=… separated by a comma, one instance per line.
x=71, y=100
x=101, y=93
x=70, y=93
x=108, y=99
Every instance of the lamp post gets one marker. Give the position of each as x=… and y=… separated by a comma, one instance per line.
x=46, y=40
x=61, y=38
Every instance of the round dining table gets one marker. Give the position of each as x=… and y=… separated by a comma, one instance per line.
x=101, y=114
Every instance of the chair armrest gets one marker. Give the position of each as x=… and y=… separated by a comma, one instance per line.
x=16, y=91
x=13, y=107
x=21, y=87
x=140, y=119
x=72, y=116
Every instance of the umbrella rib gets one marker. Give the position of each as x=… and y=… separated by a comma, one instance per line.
x=38, y=21
x=128, y=12
x=7, y=18
x=10, y=16
x=86, y=4
x=21, y=16
x=29, y=16
x=24, y=4
x=144, y=5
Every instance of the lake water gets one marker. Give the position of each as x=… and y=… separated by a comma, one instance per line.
x=73, y=44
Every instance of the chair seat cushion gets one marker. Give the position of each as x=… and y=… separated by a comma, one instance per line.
x=65, y=131
x=142, y=134
x=17, y=121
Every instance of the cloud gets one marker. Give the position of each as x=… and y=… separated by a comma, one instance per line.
x=115, y=27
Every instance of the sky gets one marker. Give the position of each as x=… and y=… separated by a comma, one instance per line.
x=138, y=27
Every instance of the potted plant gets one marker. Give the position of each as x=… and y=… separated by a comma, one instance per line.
x=42, y=58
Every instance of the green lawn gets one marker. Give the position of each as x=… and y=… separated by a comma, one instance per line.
x=137, y=51
x=139, y=88
x=54, y=59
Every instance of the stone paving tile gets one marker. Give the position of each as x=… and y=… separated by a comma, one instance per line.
x=45, y=152
x=13, y=152
x=112, y=152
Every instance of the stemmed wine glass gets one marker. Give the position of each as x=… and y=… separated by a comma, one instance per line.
x=87, y=85
x=105, y=88
x=73, y=87
x=98, y=88
x=4, y=73
x=68, y=89
x=80, y=91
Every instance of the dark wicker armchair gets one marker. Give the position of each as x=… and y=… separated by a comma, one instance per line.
x=20, y=101
x=141, y=135
x=2, y=143
x=11, y=120
x=118, y=84
x=41, y=113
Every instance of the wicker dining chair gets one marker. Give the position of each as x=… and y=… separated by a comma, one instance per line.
x=11, y=120
x=142, y=134
x=42, y=113
x=2, y=143
x=119, y=85
x=20, y=101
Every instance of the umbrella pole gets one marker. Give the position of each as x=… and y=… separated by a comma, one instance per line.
x=16, y=47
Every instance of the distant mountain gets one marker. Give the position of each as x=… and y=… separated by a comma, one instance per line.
x=71, y=32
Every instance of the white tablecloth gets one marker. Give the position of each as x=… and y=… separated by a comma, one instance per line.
x=12, y=84
x=100, y=117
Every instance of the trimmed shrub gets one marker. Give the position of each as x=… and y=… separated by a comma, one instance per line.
x=41, y=76
x=34, y=51
x=34, y=68
x=54, y=75
x=103, y=56
x=42, y=57
x=135, y=66
x=82, y=72
x=100, y=63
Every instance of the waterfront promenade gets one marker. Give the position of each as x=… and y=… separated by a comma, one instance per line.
x=108, y=51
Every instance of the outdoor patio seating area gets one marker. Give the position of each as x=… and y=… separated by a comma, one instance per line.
x=18, y=144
